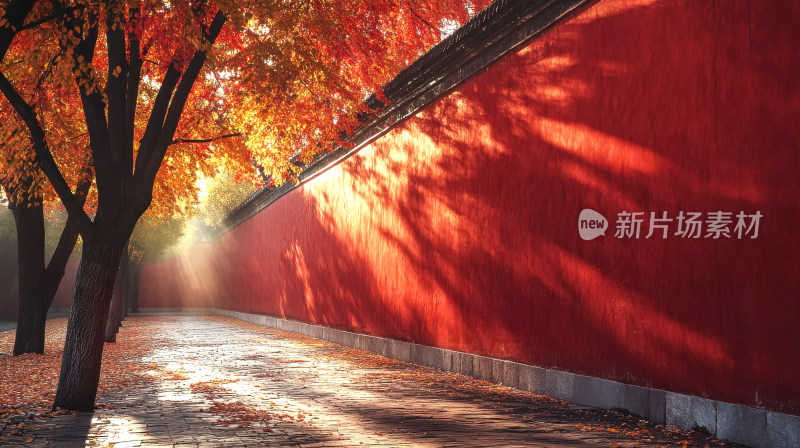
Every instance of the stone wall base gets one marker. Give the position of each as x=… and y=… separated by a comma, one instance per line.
x=727, y=421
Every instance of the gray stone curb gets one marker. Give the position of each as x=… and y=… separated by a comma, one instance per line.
x=727, y=421
x=175, y=310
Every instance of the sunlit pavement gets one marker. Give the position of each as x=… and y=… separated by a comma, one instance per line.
x=221, y=382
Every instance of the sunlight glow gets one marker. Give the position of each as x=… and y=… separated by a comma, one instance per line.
x=326, y=415
x=117, y=430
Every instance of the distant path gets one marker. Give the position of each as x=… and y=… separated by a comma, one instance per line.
x=221, y=382
x=11, y=324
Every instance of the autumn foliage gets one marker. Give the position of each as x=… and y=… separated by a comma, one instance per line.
x=282, y=80
x=29, y=381
x=170, y=92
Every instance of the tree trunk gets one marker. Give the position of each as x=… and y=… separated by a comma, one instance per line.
x=117, y=301
x=83, y=349
x=129, y=277
x=33, y=303
x=124, y=188
x=38, y=284
x=112, y=322
x=125, y=267
x=135, y=276
x=126, y=286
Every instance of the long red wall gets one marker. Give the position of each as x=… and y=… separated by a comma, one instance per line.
x=459, y=228
x=9, y=284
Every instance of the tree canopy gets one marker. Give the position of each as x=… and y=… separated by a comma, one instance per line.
x=157, y=94
x=282, y=80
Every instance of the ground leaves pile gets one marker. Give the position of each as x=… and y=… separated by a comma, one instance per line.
x=29, y=381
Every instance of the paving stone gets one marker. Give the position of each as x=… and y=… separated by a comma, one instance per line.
x=346, y=397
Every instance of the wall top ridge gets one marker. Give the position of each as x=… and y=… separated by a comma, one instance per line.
x=500, y=28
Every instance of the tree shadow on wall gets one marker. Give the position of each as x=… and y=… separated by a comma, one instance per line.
x=292, y=260
x=459, y=229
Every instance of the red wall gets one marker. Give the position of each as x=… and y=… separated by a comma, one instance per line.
x=9, y=284
x=459, y=228
x=183, y=282
x=63, y=298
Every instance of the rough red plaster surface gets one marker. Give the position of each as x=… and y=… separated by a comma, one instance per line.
x=459, y=228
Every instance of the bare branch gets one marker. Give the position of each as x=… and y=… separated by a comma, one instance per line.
x=423, y=20
x=205, y=140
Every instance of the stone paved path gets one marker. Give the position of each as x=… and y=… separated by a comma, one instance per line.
x=219, y=382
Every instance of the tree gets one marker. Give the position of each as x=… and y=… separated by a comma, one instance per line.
x=155, y=234
x=221, y=195
x=26, y=189
x=38, y=281
x=292, y=74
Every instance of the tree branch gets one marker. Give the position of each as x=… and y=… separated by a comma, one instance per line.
x=47, y=18
x=205, y=140
x=16, y=12
x=69, y=236
x=132, y=94
x=423, y=20
x=189, y=77
x=94, y=110
x=45, y=157
x=156, y=120
x=116, y=87
x=155, y=155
